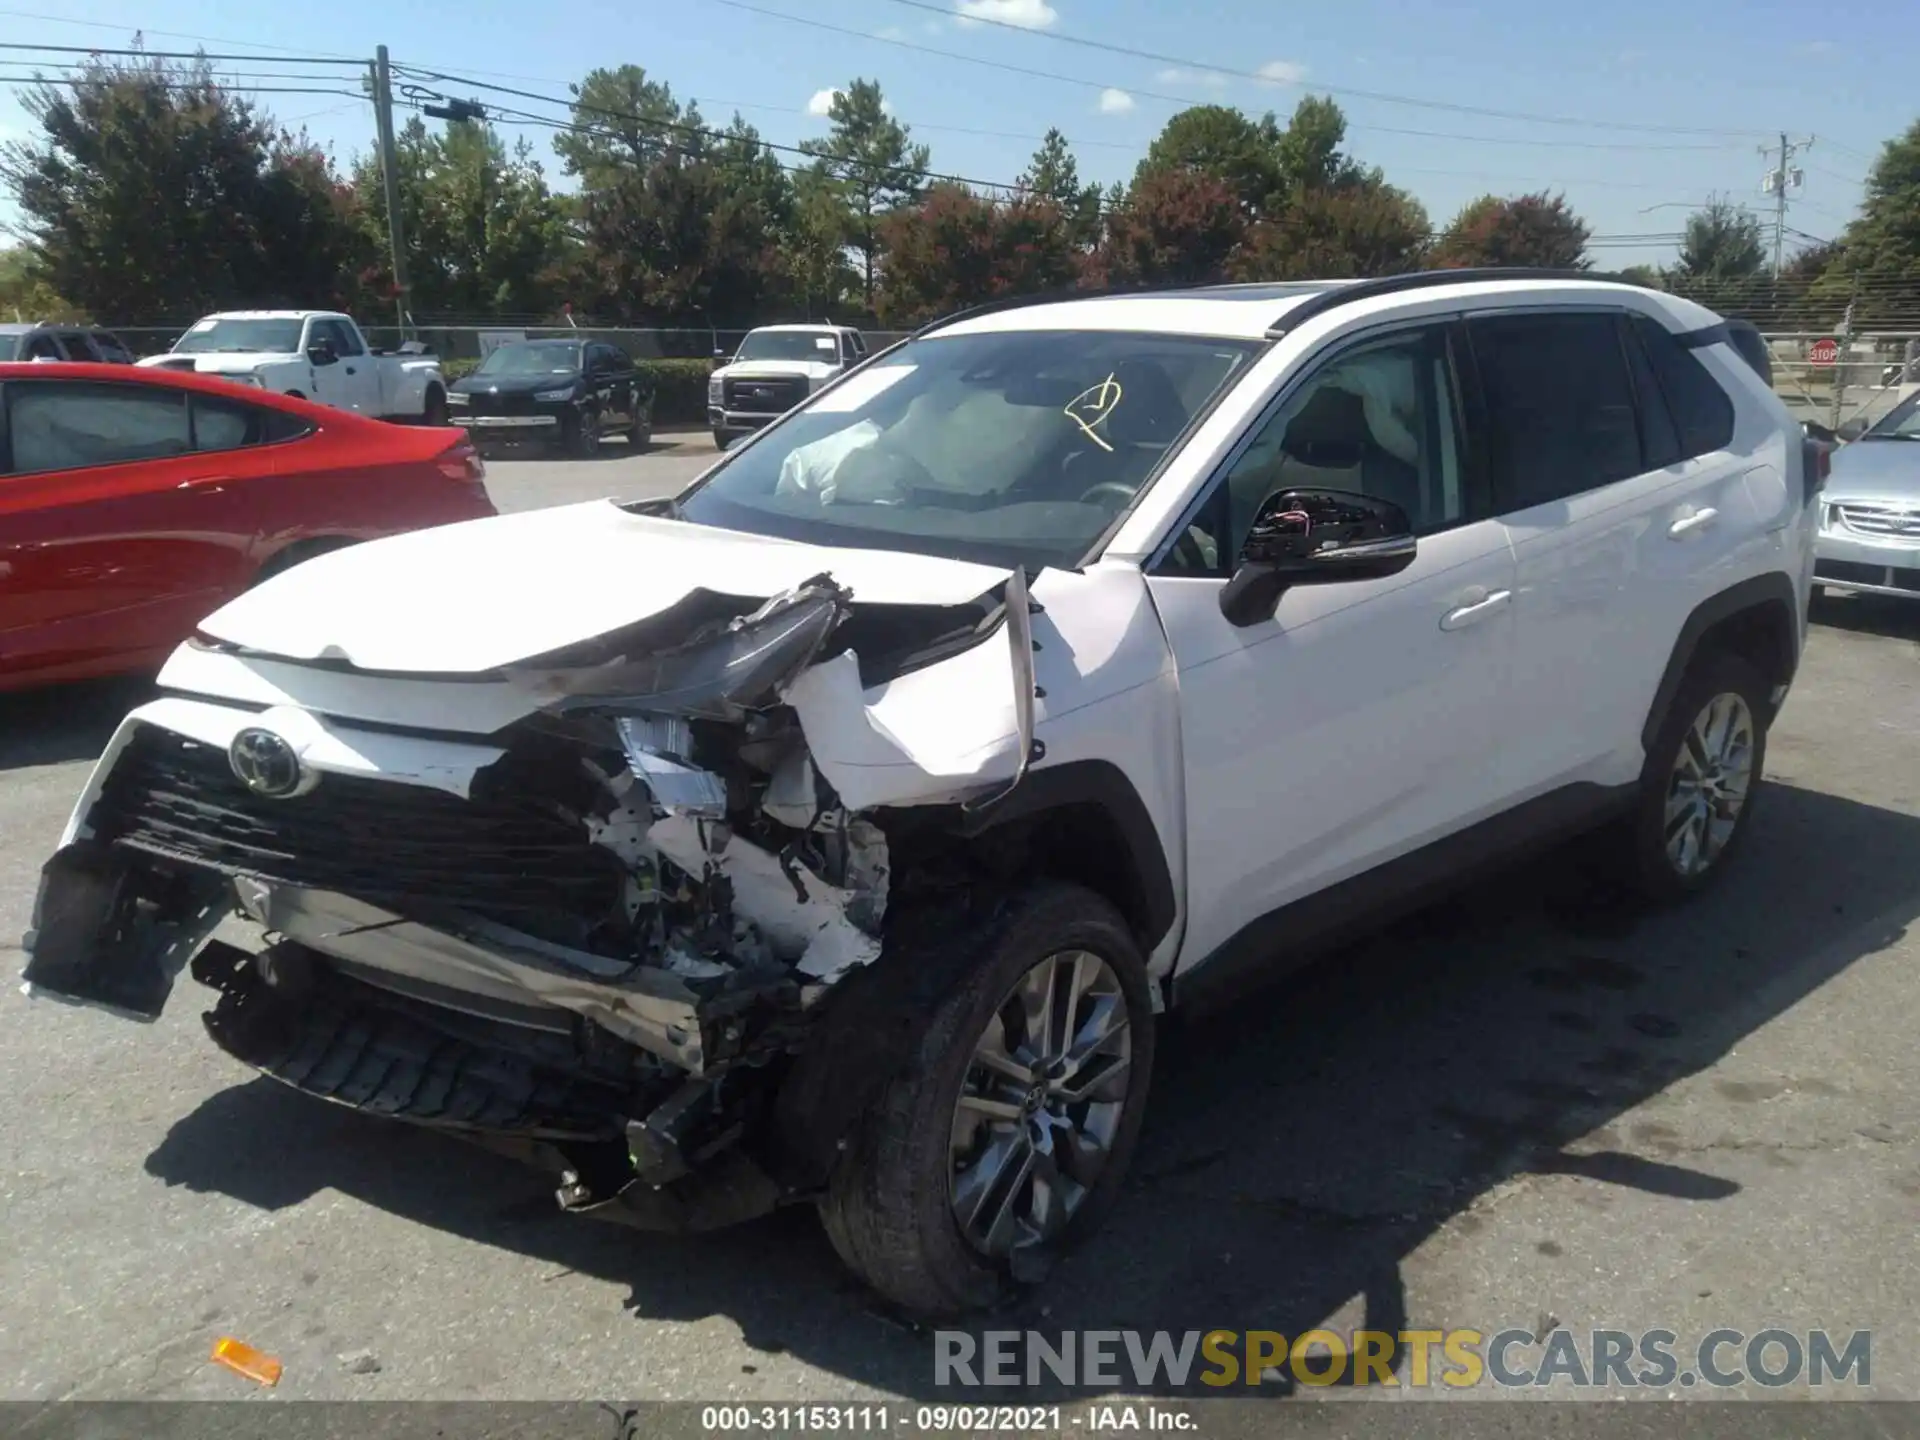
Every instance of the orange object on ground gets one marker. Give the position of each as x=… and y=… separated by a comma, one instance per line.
x=243, y=1359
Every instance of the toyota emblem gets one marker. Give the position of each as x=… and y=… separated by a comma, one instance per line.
x=266, y=764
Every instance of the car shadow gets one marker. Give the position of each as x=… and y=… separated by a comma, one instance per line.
x=63, y=723
x=1296, y=1151
x=1867, y=614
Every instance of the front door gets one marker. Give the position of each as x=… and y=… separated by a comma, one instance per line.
x=1364, y=718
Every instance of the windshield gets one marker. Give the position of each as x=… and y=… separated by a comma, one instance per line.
x=1900, y=423
x=262, y=337
x=1004, y=448
x=789, y=345
x=533, y=357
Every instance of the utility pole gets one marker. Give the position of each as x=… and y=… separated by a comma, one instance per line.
x=390, y=178
x=1778, y=180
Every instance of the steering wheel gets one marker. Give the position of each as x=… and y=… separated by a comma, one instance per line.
x=1114, y=487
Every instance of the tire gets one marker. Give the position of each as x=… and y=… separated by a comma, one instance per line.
x=890, y=1205
x=1661, y=871
x=435, y=412
x=719, y=439
x=580, y=434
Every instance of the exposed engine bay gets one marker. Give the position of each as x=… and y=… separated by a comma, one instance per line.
x=606, y=933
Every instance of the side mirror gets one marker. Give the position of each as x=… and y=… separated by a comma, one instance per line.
x=1853, y=430
x=320, y=352
x=1816, y=431
x=1314, y=537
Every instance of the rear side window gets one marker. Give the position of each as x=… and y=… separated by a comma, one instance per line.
x=111, y=349
x=78, y=347
x=1702, y=412
x=1559, y=404
x=220, y=424
x=67, y=425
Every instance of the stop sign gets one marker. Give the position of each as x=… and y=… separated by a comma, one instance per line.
x=1824, y=352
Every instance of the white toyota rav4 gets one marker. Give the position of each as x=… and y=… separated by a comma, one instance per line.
x=835, y=832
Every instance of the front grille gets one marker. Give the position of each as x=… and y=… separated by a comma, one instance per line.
x=507, y=852
x=501, y=405
x=1880, y=520
x=772, y=396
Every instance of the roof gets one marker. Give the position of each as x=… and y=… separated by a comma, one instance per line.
x=1255, y=311
x=802, y=328
x=161, y=377
x=271, y=315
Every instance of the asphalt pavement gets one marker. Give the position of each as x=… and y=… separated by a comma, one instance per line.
x=1530, y=1107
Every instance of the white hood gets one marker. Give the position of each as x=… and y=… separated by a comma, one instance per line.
x=221, y=362
x=767, y=369
x=467, y=598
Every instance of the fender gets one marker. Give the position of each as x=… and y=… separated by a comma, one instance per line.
x=1105, y=785
x=1773, y=588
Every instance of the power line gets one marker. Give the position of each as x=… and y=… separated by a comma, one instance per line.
x=176, y=54
x=1382, y=97
x=147, y=30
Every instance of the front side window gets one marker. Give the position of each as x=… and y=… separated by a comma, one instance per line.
x=1559, y=401
x=67, y=425
x=340, y=334
x=1900, y=423
x=1010, y=448
x=241, y=337
x=1381, y=419
x=40, y=347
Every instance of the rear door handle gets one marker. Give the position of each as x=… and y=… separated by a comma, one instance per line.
x=205, y=484
x=1465, y=615
x=1687, y=524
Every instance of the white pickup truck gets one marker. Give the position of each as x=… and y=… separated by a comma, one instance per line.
x=316, y=355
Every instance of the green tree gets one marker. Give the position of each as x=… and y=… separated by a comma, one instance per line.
x=152, y=194
x=1646, y=276
x=484, y=234
x=1052, y=174
x=1223, y=143
x=814, y=250
x=1722, y=243
x=24, y=295
x=1308, y=154
x=625, y=121
x=872, y=166
x=1878, y=262
x=1532, y=231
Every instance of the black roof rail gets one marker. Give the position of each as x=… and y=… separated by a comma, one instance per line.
x=1103, y=292
x=1346, y=294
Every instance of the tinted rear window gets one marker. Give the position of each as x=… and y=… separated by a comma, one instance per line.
x=1702, y=413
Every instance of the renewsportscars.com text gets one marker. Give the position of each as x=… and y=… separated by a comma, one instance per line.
x=1412, y=1359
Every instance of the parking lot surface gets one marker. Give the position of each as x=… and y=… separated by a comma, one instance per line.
x=1529, y=1107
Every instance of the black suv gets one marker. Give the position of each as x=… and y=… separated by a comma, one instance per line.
x=567, y=392
x=63, y=342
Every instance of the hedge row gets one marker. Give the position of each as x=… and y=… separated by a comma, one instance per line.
x=679, y=387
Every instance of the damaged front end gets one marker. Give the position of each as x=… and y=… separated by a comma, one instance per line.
x=605, y=936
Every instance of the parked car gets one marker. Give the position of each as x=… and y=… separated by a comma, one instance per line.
x=312, y=355
x=132, y=502
x=569, y=393
x=834, y=832
x=775, y=368
x=84, y=343
x=1870, y=520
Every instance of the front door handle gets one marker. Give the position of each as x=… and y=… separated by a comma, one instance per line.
x=1687, y=524
x=205, y=484
x=1465, y=615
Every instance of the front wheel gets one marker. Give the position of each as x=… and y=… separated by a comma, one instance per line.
x=719, y=439
x=435, y=412
x=1701, y=777
x=1006, y=1138
x=580, y=433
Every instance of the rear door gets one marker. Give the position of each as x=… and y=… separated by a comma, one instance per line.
x=125, y=519
x=1614, y=525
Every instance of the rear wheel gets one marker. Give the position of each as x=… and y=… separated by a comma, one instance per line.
x=1701, y=776
x=1005, y=1140
x=436, y=408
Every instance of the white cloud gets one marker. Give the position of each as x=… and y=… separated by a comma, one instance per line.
x=1027, y=14
x=892, y=32
x=1282, y=72
x=1115, y=102
x=1210, y=79
x=822, y=102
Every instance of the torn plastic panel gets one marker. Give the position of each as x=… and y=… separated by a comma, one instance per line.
x=718, y=673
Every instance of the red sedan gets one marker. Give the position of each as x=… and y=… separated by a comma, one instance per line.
x=134, y=502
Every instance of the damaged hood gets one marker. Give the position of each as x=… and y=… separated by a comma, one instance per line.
x=470, y=598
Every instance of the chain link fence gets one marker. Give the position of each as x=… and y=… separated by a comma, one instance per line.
x=473, y=341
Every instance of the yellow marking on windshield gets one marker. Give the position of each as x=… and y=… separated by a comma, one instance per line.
x=1099, y=401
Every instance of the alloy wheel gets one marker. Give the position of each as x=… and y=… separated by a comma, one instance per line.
x=1708, y=788
x=1040, y=1103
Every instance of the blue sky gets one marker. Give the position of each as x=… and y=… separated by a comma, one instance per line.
x=1674, y=98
